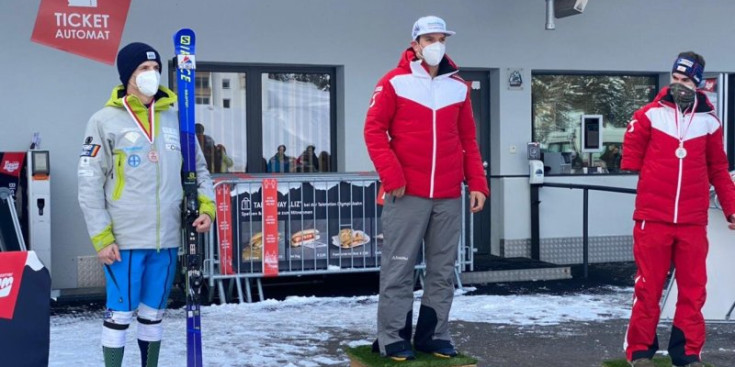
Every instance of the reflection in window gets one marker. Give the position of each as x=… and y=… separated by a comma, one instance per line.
x=560, y=100
x=296, y=122
x=223, y=124
x=225, y=83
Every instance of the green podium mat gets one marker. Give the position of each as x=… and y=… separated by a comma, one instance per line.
x=363, y=356
x=660, y=362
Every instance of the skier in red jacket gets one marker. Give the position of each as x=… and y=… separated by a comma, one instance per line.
x=420, y=135
x=676, y=143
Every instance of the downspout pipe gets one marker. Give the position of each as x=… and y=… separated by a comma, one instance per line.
x=550, y=26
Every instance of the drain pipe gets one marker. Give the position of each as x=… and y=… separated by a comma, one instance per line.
x=550, y=26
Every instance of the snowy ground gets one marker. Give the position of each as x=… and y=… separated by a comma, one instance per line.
x=302, y=331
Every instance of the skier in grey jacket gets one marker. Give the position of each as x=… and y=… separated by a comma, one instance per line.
x=130, y=192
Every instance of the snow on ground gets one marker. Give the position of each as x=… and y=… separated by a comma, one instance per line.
x=295, y=332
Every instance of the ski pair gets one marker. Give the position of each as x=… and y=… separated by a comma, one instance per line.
x=184, y=45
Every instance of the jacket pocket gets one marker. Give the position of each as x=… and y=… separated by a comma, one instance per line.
x=119, y=160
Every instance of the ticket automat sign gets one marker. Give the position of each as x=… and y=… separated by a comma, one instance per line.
x=88, y=28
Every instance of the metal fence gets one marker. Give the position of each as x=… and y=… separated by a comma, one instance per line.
x=320, y=224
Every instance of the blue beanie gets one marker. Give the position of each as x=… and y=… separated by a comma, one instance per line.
x=689, y=67
x=131, y=56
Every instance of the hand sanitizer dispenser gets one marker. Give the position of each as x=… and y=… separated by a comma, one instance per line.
x=535, y=164
x=536, y=172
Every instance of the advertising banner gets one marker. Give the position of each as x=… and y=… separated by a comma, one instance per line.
x=270, y=227
x=11, y=275
x=11, y=171
x=710, y=89
x=88, y=28
x=315, y=225
x=25, y=286
x=224, y=228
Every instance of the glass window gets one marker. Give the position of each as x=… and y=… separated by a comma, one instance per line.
x=243, y=121
x=296, y=121
x=224, y=136
x=559, y=101
x=202, y=81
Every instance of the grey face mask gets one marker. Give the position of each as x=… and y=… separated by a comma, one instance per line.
x=683, y=95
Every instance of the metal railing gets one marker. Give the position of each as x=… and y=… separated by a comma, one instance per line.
x=535, y=216
x=326, y=224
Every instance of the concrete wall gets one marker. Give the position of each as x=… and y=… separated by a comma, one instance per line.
x=54, y=93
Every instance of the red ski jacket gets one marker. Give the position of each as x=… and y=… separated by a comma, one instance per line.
x=673, y=186
x=420, y=132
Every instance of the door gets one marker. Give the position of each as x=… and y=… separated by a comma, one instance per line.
x=479, y=81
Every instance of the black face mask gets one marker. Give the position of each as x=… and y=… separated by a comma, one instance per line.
x=683, y=96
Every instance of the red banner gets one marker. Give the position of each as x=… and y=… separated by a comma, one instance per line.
x=224, y=228
x=270, y=227
x=12, y=163
x=88, y=28
x=11, y=273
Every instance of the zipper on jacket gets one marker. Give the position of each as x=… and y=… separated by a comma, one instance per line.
x=119, y=174
x=158, y=202
x=680, y=173
x=433, y=147
x=678, y=191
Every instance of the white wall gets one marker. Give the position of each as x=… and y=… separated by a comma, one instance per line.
x=53, y=92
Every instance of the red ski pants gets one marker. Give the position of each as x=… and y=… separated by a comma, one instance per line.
x=656, y=246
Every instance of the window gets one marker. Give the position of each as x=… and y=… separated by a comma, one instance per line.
x=559, y=101
x=296, y=115
x=202, y=91
x=264, y=107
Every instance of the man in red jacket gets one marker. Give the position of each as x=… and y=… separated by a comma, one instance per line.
x=420, y=135
x=676, y=144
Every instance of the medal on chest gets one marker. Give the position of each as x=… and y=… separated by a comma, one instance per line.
x=153, y=156
x=681, y=152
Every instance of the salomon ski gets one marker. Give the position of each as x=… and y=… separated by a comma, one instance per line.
x=184, y=42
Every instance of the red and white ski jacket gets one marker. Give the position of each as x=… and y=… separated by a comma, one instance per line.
x=670, y=189
x=420, y=132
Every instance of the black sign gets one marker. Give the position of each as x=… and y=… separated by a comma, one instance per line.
x=320, y=225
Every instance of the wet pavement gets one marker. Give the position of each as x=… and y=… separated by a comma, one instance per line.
x=568, y=344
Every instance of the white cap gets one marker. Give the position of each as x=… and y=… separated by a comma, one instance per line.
x=429, y=24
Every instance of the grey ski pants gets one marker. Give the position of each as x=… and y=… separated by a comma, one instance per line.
x=406, y=222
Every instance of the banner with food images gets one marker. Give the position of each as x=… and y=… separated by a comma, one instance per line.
x=319, y=225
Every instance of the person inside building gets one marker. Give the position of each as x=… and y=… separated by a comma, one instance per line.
x=611, y=158
x=130, y=192
x=222, y=161
x=208, y=147
x=308, y=161
x=280, y=162
x=423, y=149
x=676, y=145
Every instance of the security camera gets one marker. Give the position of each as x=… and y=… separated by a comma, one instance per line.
x=565, y=8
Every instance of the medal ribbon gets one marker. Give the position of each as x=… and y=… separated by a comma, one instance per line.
x=676, y=120
x=151, y=118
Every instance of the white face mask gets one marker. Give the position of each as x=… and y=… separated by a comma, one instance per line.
x=433, y=53
x=148, y=82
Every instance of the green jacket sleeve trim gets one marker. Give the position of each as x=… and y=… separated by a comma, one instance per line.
x=206, y=206
x=103, y=239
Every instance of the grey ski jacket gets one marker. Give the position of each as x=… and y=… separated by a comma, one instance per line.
x=129, y=182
